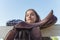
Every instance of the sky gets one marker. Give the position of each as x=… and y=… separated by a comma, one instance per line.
x=15, y=9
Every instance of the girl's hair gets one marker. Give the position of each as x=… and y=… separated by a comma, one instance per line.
x=37, y=19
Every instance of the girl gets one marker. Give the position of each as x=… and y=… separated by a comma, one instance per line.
x=31, y=17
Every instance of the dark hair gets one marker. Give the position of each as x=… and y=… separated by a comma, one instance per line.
x=38, y=18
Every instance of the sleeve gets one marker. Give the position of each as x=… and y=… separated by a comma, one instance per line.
x=11, y=34
x=48, y=20
x=49, y=23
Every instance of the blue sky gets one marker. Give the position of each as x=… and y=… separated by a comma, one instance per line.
x=15, y=9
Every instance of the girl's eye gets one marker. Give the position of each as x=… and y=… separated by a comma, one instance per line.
x=27, y=15
x=32, y=14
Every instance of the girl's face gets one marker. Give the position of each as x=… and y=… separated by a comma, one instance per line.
x=30, y=16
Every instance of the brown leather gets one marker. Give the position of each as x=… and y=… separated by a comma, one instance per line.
x=11, y=34
x=46, y=22
x=49, y=20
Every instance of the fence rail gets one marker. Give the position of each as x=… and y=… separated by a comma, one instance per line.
x=47, y=32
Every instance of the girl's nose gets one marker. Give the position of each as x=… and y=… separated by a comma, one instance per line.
x=29, y=16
